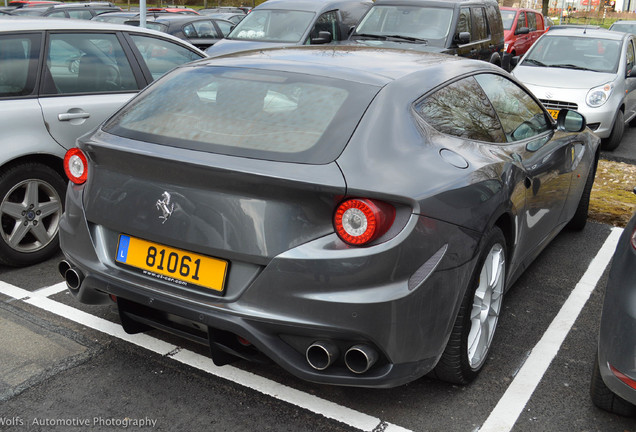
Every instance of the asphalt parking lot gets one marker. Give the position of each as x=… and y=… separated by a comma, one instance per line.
x=67, y=366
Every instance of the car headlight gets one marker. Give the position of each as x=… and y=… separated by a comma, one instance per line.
x=599, y=95
x=506, y=47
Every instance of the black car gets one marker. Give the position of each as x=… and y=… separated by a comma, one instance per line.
x=235, y=18
x=200, y=31
x=83, y=11
x=613, y=384
x=277, y=23
x=471, y=28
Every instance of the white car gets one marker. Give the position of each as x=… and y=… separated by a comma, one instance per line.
x=587, y=70
x=59, y=79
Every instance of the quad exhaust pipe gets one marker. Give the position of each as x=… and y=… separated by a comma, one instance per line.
x=360, y=358
x=71, y=275
x=321, y=354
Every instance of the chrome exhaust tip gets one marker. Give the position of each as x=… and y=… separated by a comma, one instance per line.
x=360, y=358
x=73, y=278
x=63, y=267
x=321, y=354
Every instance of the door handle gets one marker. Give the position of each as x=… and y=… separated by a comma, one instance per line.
x=72, y=116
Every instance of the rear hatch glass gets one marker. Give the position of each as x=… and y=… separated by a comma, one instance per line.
x=262, y=114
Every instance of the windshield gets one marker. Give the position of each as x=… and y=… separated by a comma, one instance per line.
x=431, y=24
x=573, y=52
x=508, y=17
x=260, y=114
x=273, y=26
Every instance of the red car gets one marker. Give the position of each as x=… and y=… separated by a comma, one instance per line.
x=522, y=28
x=180, y=10
x=28, y=3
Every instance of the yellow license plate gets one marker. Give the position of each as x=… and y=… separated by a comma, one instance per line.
x=554, y=113
x=172, y=265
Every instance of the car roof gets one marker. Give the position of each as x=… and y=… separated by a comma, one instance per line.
x=358, y=64
x=587, y=32
x=307, y=5
x=518, y=9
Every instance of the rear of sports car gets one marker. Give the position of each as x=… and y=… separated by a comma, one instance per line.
x=213, y=207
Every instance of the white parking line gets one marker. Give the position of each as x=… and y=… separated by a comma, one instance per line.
x=268, y=387
x=509, y=407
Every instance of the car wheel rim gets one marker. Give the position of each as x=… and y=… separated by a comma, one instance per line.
x=30, y=214
x=486, y=306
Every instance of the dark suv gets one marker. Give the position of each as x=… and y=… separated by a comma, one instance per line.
x=471, y=28
x=84, y=11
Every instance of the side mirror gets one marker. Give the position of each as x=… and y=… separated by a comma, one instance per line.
x=462, y=38
x=570, y=121
x=324, y=37
x=514, y=61
x=522, y=30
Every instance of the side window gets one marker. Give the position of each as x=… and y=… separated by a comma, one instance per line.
x=204, y=29
x=463, y=21
x=630, y=56
x=189, y=31
x=462, y=109
x=224, y=27
x=327, y=22
x=19, y=56
x=87, y=63
x=480, y=24
x=84, y=14
x=532, y=21
x=160, y=55
x=57, y=14
x=521, y=20
x=520, y=116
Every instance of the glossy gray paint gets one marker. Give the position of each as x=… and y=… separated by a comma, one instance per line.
x=617, y=335
x=292, y=280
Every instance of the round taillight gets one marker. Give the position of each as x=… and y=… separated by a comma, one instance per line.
x=76, y=166
x=359, y=221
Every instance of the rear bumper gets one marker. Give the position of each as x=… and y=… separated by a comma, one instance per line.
x=400, y=298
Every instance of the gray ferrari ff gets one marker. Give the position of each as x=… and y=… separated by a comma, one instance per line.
x=613, y=385
x=351, y=213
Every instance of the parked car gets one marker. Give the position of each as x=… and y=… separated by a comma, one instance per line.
x=84, y=11
x=613, y=384
x=118, y=17
x=522, y=28
x=200, y=31
x=58, y=80
x=234, y=18
x=5, y=12
x=180, y=10
x=222, y=9
x=589, y=70
x=17, y=4
x=624, y=26
x=470, y=28
x=292, y=22
x=354, y=215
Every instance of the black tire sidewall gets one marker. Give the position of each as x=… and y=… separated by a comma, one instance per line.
x=9, y=178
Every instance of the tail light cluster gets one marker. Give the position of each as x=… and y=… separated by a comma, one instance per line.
x=76, y=166
x=359, y=221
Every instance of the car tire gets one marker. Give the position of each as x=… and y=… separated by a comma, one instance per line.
x=476, y=322
x=579, y=220
x=604, y=398
x=614, y=140
x=31, y=204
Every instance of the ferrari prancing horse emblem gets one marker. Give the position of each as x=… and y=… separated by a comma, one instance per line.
x=165, y=206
